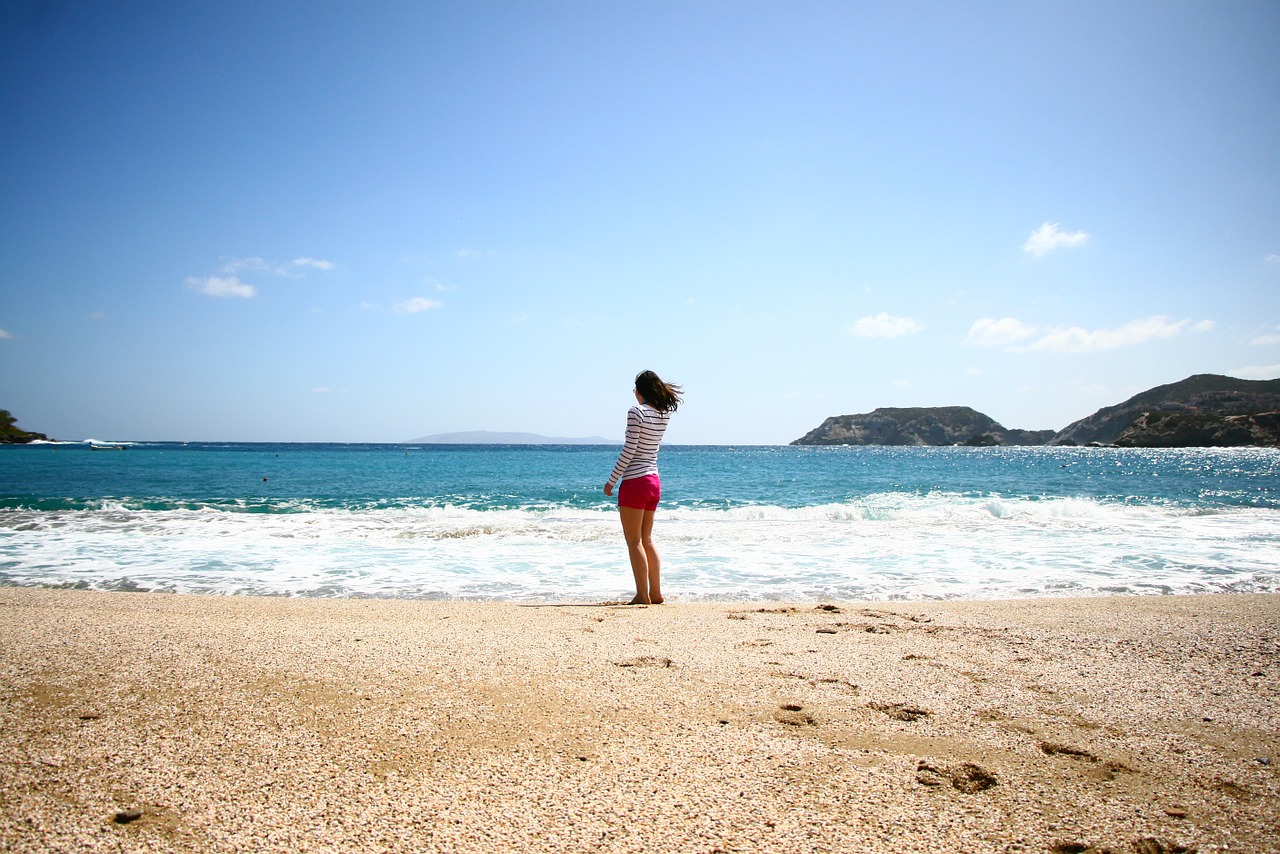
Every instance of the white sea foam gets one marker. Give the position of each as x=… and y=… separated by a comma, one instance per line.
x=887, y=546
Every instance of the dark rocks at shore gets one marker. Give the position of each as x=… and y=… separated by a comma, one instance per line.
x=937, y=425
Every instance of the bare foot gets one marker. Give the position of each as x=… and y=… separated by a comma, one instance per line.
x=656, y=600
x=638, y=601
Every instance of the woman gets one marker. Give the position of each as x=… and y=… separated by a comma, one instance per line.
x=637, y=468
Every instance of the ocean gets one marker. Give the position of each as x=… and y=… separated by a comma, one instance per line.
x=531, y=523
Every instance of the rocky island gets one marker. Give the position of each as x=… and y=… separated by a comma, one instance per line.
x=937, y=425
x=1204, y=410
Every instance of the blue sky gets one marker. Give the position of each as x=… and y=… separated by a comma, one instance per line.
x=372, y=221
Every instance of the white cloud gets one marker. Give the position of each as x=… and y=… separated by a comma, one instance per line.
x=884, y=325
x=322, y=389
x=1049, y=237
x=1267, y=339
x=989, y=332
x=439, y=285
x=367, y=306
x=255, y=265
x=1073, y=339
x=1274, y=258
x=4, y=335
x=262, y=265
x=1258, y=372
x=417, y=304
x=216, y=286
x=973, y=372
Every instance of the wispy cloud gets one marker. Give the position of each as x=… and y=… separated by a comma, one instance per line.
x=252, y=265
x=228, y=284
x=417, y=304
x=884, y=325
x=1074, y=339
x=1274, y=258
x=989, y=332
x=1049, y=237
x=219, y=286
x=261, y=265
x=4, y=335
x=1258, y=372
x=1266, y=339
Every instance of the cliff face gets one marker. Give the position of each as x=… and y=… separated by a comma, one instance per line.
x=1199, y=402
x=1202, y=430
x=938, y=425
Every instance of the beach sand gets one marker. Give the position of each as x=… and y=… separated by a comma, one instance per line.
x=1136, y=724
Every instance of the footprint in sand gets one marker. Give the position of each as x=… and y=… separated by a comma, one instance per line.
x=967, y=778
x=1103, y=770
x=901, y=711
x=646, y=661
x=793, y=714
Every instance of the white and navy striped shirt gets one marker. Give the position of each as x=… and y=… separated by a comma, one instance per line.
x=639, y=457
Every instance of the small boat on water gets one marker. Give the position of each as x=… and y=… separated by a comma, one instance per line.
x=106, y=446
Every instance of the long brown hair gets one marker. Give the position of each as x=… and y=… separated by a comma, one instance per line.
x=664, y=397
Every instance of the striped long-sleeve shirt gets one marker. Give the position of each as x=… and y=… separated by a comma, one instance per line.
x=639, y=457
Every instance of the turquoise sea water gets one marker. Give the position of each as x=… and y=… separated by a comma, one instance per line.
x=531, y=522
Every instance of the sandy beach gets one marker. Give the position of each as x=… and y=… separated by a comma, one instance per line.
x=147, y=722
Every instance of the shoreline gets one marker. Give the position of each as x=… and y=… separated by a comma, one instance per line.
x=288, y=724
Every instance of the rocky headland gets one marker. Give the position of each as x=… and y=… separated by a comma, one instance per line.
x=1204, y=410
x=10, y=434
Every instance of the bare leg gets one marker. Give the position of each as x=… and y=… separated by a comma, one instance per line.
x=651, y=558
x=632, y=531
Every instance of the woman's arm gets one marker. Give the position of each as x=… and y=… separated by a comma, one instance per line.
x=629, y=446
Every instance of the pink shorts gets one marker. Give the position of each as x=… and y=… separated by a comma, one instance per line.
x=640, y=493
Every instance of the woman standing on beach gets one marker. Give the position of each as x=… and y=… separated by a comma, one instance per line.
x=637, y=468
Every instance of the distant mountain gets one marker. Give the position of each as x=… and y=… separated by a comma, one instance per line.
x=485, y=437
x=929, y=425
x=1201, y=411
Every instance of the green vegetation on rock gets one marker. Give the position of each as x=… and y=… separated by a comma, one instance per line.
x=1202, y=411
x=12, y=435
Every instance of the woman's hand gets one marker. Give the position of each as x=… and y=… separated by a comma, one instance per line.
x=608, y=489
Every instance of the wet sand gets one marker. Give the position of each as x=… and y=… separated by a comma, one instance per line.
x=148, y=722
